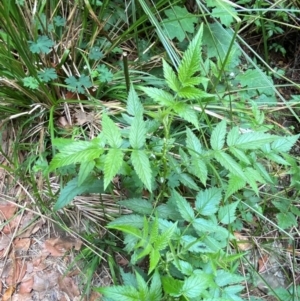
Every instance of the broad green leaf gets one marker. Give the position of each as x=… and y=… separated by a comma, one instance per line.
x=111, y=132
x=217, y=138
x=253, y=176
x=226, y=214
x=184, y=207
x=192, y=142
x=117, y=293
x=223, y=11
x=85, y=170
x=232, y=136
x=254, y=140
x=225, y=278
x=256, y=79
x=134, y=106
x=171, y=77
x=142, y=167
x=209, y=226
x=163, y=98
x=134, y=220
x=187, y=113
x=284, y=144
x=112, y=164
x=128, y=278
x=141, y=206
x=208, y=200
x=155, y=290
x=194, y=285
x=154, y=260
x=191, y=60
x=129, y=230
x=68, y=193
x=229, y=163
x=262, y=170
x=172, y=286
x=218, y=41
x=179, y=21
x=286, y=220
x=137, y=134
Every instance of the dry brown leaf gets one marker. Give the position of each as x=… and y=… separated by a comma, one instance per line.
x=26, y=285
x=83, y=117
x=243, y=242
x=5, y=240
x=7, y=210
x=262, y=263
x=45, y=280
x=8, y=293
x=21, y=245
x=67, y=285
x=13, y=224
x=51, y=248
x=95, y=296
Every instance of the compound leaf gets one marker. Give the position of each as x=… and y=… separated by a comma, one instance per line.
x=226, y=213
x=134, y=106
x=218, y=134
x=208, y=200
x=111, y=132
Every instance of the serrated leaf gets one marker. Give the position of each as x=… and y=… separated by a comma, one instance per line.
x=276, y=158
x=284, y=144
x=286, y=220
x=68, y=193
x=84, y=171
x=195, y=81
x=162, y=97
x=128, y=278
x=137, y=134
x=192, y=142
x=172, y=286
x=226, y=161
x=208, y=200
x=171, y=77
x=217, y=138
x=256, y=79
x=224, y=11
x=112, y=164
x=199, y=169
x=225, y=278
x=117, y=293
x=162, y=241
x=193, y=93
x=240, y=155
x=194, y=285
x=232, y=136
x=140, y=206
x=155, y=290
x=111, y=132
x=134, y=106
x=184, y=267
x=254, y=140
x=235, y=183
x=65, y=159
x=191, y=59
x=142, y=167
x=142, y=286
x=226, y=214
x=154, y=260
x=187, y=113
x=188, y=181
x=194, y=245
x=134, y=220
x=184, y=207
x=178, y=22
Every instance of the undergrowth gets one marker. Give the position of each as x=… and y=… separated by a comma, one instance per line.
x=176, y=133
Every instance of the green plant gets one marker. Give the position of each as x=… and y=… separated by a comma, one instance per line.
x=185, y=241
